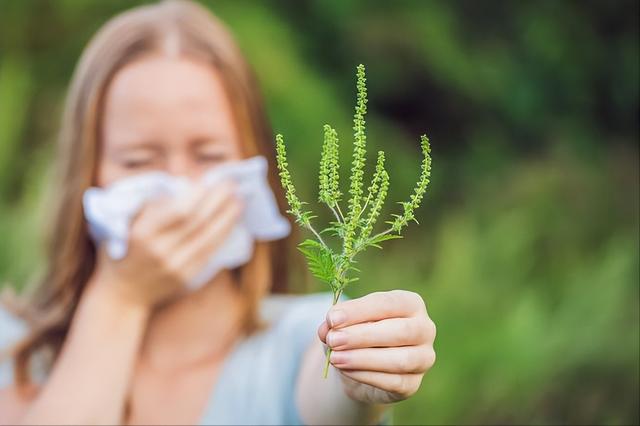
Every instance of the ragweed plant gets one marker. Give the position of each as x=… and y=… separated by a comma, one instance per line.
x=355, y=228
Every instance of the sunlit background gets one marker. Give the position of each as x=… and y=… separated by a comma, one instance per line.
x=527, y=248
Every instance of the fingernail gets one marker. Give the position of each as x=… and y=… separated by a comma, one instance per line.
x=337, y=357
x=336, y=338
x=336, y=318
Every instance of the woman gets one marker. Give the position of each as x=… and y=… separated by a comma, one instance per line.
x=164, y=87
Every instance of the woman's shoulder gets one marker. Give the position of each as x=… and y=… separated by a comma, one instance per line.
x=13, y=401
x=12, y=330
x=276, y=308
x=268, y=363
x=293, y=323
x=296, y=316
x=11, y=327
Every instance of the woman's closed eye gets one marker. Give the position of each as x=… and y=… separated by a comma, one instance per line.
x=211, y=157
x=137, y=163
x=139, y=159
x=211, y=153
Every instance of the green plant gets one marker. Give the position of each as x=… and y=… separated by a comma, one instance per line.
x=354, y=229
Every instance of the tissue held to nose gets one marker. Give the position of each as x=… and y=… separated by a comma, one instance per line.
x=110, y=211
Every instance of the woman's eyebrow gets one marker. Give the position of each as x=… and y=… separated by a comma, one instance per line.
x=137, y=146
x=207, y=140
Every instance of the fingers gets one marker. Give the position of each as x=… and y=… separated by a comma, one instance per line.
x=172, y=222
x=164, y=213
x=374, y=307
x=322, y=331
x=197, y=251
x=203, y=210
x=385, y=333
x=399, y=360
x=401, y=386
x=184, y=213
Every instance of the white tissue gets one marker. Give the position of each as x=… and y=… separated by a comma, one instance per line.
x=109, y=212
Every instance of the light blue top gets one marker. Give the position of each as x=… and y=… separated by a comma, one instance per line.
x=257, y=380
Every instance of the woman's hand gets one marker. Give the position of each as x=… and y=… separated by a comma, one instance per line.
x=169, y=242
x=382, y=344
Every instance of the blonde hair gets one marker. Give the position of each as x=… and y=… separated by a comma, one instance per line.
x=180, y=27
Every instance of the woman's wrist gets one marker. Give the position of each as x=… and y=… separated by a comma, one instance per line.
x=366, y=413
x=113, y=300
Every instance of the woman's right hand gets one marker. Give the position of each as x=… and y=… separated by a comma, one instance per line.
x=169, y=242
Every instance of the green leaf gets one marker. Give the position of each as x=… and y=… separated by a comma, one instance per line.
x=320, y=260
x=380, y=238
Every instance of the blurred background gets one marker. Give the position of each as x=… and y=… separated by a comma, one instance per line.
x=527, y=248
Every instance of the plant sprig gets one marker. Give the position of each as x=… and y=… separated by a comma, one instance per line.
x=355, y=228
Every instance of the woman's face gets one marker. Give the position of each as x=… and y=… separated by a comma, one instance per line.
x=168, y=114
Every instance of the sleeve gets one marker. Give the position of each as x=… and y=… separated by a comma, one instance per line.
x=387, y=419
x=300, y=325
x=11, y=331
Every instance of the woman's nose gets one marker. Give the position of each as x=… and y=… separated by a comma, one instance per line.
x=182, y=165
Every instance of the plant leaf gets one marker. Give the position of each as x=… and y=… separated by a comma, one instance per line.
x=380, y=238
x=320, y=260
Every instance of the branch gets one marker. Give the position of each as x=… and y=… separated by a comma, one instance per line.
x=310, y=228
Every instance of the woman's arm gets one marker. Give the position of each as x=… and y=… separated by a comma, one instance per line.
x=168, y=245
x=89, y=381
x=324, y=401
x=14, y=403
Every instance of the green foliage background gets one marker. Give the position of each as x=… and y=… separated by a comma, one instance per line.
x=527, y=252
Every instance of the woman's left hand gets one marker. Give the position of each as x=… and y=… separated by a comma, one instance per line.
x=382, y=344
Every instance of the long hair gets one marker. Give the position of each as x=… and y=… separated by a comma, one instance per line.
x=71, y=254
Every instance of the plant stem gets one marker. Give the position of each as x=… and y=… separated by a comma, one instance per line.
x=325, y=373
x=335, y=213
x=310, y=228
x=364, y=207
x=380, y=234
x=340, y=212
x=336, y=297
